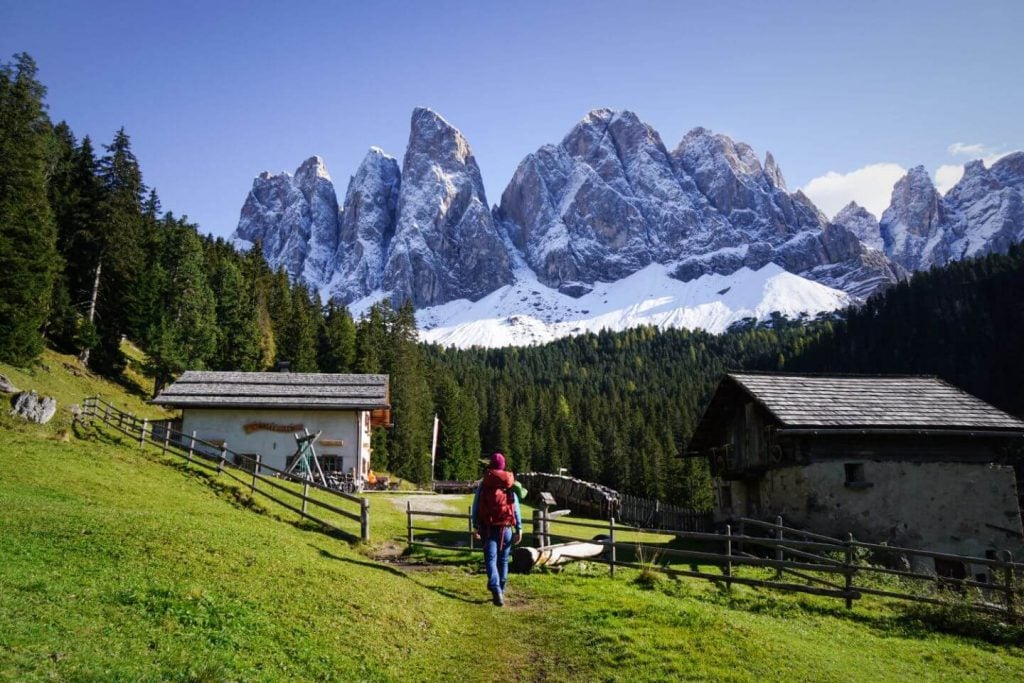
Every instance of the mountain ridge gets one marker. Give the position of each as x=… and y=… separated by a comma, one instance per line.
x=606, y=202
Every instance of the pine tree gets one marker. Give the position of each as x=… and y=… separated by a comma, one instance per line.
x=184, y=334
x=238, y=332
x=28, y=240
x=338, y=340
x=299, y=343
x=121, y=255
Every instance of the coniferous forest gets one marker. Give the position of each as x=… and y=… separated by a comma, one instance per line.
x=89, y=258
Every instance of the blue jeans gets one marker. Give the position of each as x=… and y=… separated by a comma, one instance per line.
x=497, y=560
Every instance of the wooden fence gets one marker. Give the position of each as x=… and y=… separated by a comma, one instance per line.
x=245, y=469
x=824, y=565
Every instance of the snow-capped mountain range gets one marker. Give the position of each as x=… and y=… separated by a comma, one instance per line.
x=608, y=229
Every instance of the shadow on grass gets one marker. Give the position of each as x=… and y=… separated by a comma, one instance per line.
x=395, y=571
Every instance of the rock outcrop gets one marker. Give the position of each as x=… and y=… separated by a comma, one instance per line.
x=28, y=405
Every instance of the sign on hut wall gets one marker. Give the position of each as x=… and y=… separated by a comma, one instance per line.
x=271, y=427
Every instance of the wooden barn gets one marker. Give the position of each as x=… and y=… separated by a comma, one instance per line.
x=260, y=413
x=911, y=461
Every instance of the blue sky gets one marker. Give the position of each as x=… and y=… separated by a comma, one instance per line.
x=213, y=93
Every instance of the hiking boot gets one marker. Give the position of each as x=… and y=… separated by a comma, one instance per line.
x=498, y=598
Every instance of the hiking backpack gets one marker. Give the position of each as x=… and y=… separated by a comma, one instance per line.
x=496, y=506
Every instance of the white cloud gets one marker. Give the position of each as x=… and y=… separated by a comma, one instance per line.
x=973, y=150
x=946, y=176
x=871, y=187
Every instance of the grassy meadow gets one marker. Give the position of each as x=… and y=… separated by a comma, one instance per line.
x=119, y=564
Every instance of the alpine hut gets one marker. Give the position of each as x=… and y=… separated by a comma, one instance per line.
x=261, y=412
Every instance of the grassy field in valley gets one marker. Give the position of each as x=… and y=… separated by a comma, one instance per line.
x=121, y=564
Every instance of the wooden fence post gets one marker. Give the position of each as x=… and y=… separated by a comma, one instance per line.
x=469, y=515
x=305, y=495
x=408, y=515
x=546, y=523
x=167, y=435
x=1008, y=582
x=255, y=472
x=364, y=520
x=611, y=542
x=778, y=548
x=728, y=553
x=224, y=457
x=142, y=433
x=538, y=541
x=192, y=445
x=849, y=570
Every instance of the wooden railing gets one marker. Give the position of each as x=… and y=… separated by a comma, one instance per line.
x=245, y=469
x=826, y=566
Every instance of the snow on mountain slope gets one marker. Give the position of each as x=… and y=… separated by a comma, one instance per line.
x=528, y=312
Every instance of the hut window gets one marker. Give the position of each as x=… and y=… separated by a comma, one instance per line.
x=855, y=475
x=726, y=496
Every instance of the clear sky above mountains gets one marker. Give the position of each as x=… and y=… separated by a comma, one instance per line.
x=213, y=93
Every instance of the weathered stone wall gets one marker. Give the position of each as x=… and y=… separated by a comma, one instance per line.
x=939, y=506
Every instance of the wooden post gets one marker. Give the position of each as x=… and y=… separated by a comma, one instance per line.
x=849, y=569
x=223, y=458
x=142, y=434
x=728, y=553
x=408, y=515
x=469, y=516
x=255, y=473
x=305, y=495
x=1008, y=582
x=192, y=445
x=546, y=523
x=778, y=548
x=167, y=435
x=364, y=520
x=537, y=540
x=611, y=541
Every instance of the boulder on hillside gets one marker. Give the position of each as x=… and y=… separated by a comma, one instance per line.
x=35, y=408
x=6, y=387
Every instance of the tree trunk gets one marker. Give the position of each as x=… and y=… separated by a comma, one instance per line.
x=84, y=356
x=524, y=559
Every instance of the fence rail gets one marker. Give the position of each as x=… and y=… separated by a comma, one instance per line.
x=828, y=566
x=245, y=469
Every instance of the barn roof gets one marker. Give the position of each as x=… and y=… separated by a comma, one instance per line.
x=871, y=402
x=283, y=390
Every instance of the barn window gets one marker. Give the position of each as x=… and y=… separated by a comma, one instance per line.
x=726, y=495
x=855, y=476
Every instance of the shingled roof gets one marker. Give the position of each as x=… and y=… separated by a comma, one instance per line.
x=276, y=390
x=871, y=402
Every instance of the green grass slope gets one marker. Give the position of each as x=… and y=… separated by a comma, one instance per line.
x=121, y=564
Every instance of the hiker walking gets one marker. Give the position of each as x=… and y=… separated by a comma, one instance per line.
x=495, y=516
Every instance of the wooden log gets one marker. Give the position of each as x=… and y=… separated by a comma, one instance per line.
x=524, y=558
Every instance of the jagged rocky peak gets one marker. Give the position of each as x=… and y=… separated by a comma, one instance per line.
x=296, y=220
x=446, y=245
x=603, y=203
x=911, y=224
x=861, y=223
x=367, y=226
x=752, y=197
x=773, y=172
x=1010, y=170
